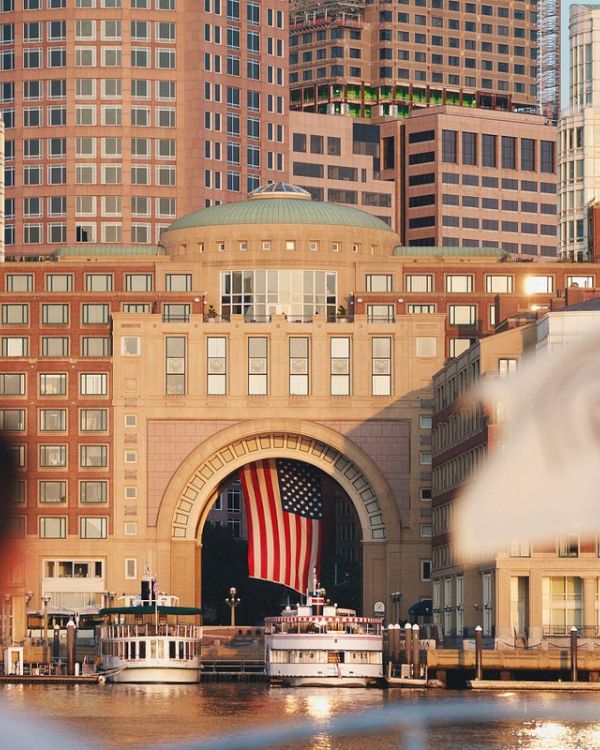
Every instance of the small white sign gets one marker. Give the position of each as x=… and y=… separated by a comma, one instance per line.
x=379, y=608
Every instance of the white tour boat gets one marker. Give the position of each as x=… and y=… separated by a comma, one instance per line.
x=318, y=644
x=151, y=639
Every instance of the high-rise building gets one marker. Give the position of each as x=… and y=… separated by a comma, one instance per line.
x=579, y=168
x=474, y=178
x=123, y=114
x=375, y=59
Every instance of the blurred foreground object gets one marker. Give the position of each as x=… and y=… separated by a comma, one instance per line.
x=543, y=478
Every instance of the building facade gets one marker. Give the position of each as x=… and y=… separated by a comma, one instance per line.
x=579, y=171
x=528, y=592
x=338, y=160
x=371, y=60
x=474, y=178
x=122, y=116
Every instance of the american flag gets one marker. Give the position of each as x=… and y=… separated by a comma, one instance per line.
x=284, y=507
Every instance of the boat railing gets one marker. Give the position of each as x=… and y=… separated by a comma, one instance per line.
x=320, y=626
x=147, y=630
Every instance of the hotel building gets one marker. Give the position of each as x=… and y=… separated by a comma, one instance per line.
x=135, y=380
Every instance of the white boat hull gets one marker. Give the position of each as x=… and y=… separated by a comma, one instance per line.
x=334, y=682
x=165, y=675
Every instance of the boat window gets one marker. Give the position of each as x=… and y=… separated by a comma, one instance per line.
x=172, y=649
x=142, y=649
x=181, y=649
x=133, y=649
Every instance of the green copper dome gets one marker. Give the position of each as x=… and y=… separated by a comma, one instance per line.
x=279, y=204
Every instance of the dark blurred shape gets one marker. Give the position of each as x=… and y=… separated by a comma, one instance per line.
x=8, y=469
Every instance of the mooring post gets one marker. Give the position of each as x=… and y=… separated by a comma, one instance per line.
x=408, y=643
x=573, y=654
x=416, y=643
x=71, y=631
x=478, y=652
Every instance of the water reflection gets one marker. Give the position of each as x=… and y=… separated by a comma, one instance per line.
x=139, y=716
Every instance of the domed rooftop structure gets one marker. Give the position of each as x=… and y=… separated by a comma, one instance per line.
x=279, y=203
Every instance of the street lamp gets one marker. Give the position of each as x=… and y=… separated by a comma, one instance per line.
x=45, y=602
x=232, y=601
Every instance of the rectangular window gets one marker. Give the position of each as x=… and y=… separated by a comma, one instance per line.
x=586, y=282
x=53, y=527
x=19, y=282
x=93, y=456
x=379, y=283
x=469, y=148
x=15, y=315
x=178, y=282
x=53, y=420
x=539, y=285
x=53, y=456
x=93, y=420
x=299, y=365
x=96, y=346
x=92, y=528
x=216, y=365
x=418, y=283
x=499, y=284
x=138, y=282
x=12, y=384
x=95, y=314
x=380, y=313
x=98, y=282
x=12, y=420
x=93, y=384
x=53, y=492
x=54, y=314
x=509, y=152
x=449, y=151
x=381, y=366
x=459, y=284
x=488, y=150
x=15, y=346
x=53, y=384
x=340, y=365
x=175, y=352
x=462, y=315
x=93, y=492
x=258, y=365
x=507, y=368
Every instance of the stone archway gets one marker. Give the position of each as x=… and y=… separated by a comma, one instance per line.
x=192, y=490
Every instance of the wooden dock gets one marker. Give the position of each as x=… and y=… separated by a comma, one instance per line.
x=533, y=685
x=45, y=679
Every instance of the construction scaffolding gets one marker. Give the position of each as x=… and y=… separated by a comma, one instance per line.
x=306, y=11
x=549, y=58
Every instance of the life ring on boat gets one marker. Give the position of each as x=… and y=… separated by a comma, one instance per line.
x=101, y=680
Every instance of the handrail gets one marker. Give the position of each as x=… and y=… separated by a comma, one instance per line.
x=411, y=720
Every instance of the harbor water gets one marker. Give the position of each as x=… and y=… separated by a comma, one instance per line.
x=142, y=716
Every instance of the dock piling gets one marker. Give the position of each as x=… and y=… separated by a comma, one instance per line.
x=478, y=652
x=416, y=655
x=573, y=654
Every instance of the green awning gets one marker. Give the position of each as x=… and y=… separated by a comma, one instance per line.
x=151, y=610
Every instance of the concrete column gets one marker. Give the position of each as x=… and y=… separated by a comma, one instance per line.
x=504, y=629
x=590, y=588
x=536, y=623
x=183, y=581
x=375, y=583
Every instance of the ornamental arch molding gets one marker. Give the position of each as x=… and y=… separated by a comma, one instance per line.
x=192, y=490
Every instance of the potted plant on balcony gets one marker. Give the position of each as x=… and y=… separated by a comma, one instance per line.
x=211, y=314
x=342, y=314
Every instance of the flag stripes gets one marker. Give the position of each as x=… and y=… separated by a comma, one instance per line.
x=283, y=546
